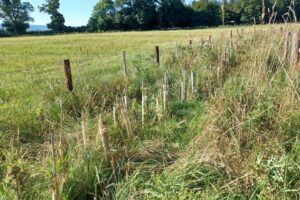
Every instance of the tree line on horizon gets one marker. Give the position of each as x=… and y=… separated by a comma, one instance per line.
x=111, y=15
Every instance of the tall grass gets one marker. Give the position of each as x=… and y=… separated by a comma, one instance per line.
x=235, y=137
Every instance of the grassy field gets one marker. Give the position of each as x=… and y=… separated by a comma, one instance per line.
x=31, y=66
x=216, y=119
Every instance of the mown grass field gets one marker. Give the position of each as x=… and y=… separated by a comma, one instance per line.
x=229, y=130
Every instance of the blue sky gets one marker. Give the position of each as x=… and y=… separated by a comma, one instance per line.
x=76, y=12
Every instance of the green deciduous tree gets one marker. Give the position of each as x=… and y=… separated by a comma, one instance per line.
x=123, y=15
x=15, y=15
x=151, y=14
x=103, y=16
x=145, y=13
x=51, y=7
x=173, y=13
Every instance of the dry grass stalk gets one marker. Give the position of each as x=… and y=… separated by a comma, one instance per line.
x=295, y=50
x=182, y=91
x=84, y=127
x=166, y=78
x=126, y=122
x=176, y=51
x=115, y=115
x=158, y=110
x=263, y=15
x=165, y=96
x=55, y=188
x=286, y=46
x=125, y=73
x=144, y=104
x=223, y=12
x=103, y=133
x=196, y=85
x=125, y=102
x=192, y=83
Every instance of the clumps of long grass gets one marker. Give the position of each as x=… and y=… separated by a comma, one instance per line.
x=246, y=127
x=217, y=119
x=250, y=135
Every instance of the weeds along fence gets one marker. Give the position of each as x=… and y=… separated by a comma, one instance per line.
x=153, y=103
x=143, y=97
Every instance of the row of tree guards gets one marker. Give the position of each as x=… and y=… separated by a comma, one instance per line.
x=291, y=56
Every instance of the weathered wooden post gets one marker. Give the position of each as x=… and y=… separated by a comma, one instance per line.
x=125, y=73
x=157, y=56
x=55, y=190
x=68, y=75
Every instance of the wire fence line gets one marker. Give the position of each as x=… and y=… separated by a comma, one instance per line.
x=90, y=63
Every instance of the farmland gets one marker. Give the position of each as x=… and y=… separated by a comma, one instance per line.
x=217, y=118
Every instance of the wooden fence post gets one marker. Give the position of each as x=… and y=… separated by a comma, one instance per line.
x=68, y=74
x=157, y=58
x=55, y=190
x=124, y=64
